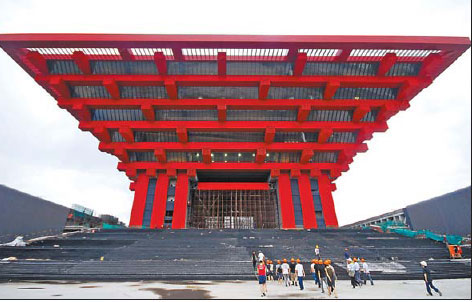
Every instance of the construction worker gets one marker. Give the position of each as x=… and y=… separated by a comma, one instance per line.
x=271, y=270
x=428, y=279
x=357, y=271
x=300, y=272
x=261, y=271
x=278, y=270
x=366, y=272
x=285, y=272
x=331, y=277
x=321, y=274
x=350, y=267
x=314, y=271
x=317, y=252
x=292, y=272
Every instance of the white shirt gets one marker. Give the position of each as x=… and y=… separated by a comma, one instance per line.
x=285, y=268
x=299, y=270
x=260, y=256
x=365, y=268
x=312, y=267
x=317, y=252
x=356, y=266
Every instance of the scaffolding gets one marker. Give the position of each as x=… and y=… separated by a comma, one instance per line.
x=234, y=209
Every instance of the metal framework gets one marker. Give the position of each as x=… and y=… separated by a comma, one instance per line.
x=167, y=106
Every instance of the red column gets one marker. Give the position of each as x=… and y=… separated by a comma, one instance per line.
x=328, y=206
x=181, y=198
x=141, y=186
x=306, y=199
x=286, y=204
x=159, y=202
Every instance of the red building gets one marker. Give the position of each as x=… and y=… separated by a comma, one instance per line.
x=232, y=131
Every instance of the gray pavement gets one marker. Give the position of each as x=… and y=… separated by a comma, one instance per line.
x=384, y=289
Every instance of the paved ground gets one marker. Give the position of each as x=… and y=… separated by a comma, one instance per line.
x=452, y=289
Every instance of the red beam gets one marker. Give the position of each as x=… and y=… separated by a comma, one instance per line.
x=233, y=186
x=330, y=89
x=300, y=62
x=264, y=86
x=37, y=62
x=386, y=63
x=172, y=91
x=328, y=206
x=260, y=155
x=160, y=155
x=181, y=200
x=221, y=63
x=221, y=112
x=138, y=207
x=303, y=112
x=306, y=199
x=112, y=88
x=82, y=61
x=360, y=112
x=182, y=135
x=324, y=135
x=148, y=112
x=159, y=202
x=269, y=135
x=160, y=62
x=127, y=134
x=286, y=204
x=306, y=156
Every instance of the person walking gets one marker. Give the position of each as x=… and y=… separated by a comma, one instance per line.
x=278, y=270
x=321, y=274
x=261, y=256
x=347, y=254
x=366, y=272
x=254, y=260
x=317, y=252
x=313, y=270
x=331, y=278
x=357, y=272
x=285, y=272
x=350, y=267
x=300, y=272
x=292, y=271
x=428, y=279
x=271, y=270
x=261, y=272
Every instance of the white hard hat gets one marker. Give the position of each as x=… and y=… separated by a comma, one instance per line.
x=423, y=263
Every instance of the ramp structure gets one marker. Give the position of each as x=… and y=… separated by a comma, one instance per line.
x=232, y=131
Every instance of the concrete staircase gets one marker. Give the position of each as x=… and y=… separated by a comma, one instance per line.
x=193, y=254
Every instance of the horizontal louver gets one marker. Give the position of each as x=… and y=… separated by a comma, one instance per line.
x=296, y=137
x=262, y=115
x=204, y=68
x=155, y=136
x=196, y=136
x=330, y=115
x=135, y=156
x=63, y=67
x=370, y=116
x=325, y=157
x=117, y=115
x=123, y=67
x=283, y=157
x=404, y=69
x=182, y=157
x=259, y=68
x=234, y=157
x=143, y=92
x=343, y=137
x=379, y=93
x=90, y=92
x=215, y=92
x=308, y=93
x=341, y=69
x=186, y=115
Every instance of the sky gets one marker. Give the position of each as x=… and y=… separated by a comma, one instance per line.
x=426, y=151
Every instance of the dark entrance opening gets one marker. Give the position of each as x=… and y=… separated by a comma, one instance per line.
x=234, y=209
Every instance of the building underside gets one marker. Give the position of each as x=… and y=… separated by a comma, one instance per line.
x=232, y=131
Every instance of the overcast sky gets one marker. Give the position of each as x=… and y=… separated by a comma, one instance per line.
x=425, y=152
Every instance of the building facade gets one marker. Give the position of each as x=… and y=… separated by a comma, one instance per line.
x=232, y=131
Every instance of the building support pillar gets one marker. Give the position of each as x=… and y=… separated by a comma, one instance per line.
x=181, y=202
x=326, y=197
x=159, y=202
x=286, y=204
x=141, y=186
x=306, y=199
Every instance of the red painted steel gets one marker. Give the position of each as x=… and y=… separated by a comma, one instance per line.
x=26, y=50
x=181, y=201
x=306, y=199
x=159, y=202
x=233, y=186
x=138, y=207
x=286, y=205
x=328, y=206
